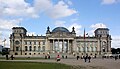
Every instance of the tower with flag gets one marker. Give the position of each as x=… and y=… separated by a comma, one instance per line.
x=84, y=43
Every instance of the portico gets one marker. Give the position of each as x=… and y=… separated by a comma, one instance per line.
x=61, y=45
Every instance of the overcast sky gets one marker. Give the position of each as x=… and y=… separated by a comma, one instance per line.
x=37, y=15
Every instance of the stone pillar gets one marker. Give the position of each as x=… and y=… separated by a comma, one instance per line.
x=63, y=45
x=53, y=45
x=68, y=46
x=109, y=46
x=58, y=44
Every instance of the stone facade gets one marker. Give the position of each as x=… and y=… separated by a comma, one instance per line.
x=59, y=40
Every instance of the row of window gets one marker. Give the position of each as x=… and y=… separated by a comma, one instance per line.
x=17, y=31
x=29, y=48
x=87, y=49
x=35, y=48
x=103, y=32
x=87, y=44
x=34, y=42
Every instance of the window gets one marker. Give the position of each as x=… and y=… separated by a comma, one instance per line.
x=30, y=48
x=39, y=48
x=43, y=42
x=34, y=42
x=43, y=48
x=91, y=44
x=87, y=49
x=79, y=49
x=39, y=43
x=103, y=49
x=82, y=49
x=95, y=49
x=25, y=42
x=34, y=48
x=92, y=49
x=30, y=42
x=17, y=48
x=17, y=42
x=104, y=43
x=26, y=49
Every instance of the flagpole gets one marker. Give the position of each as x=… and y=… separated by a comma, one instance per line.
x=84, y=43
x=4, y=42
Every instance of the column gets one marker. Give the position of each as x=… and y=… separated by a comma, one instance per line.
x=53, y=45
x=63, y=45
x=68, y=46
x=58, y=45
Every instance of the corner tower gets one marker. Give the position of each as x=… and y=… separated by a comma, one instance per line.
x=16, y=40
x=104, y=40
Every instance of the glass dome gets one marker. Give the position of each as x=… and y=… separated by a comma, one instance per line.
x=60, y=29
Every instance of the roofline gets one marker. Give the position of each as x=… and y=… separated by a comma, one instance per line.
x=19, y=28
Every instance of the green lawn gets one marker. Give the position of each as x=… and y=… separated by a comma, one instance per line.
x=32, y=65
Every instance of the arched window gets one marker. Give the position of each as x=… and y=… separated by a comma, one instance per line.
x=87, y=49
x=79, y=49
x=104, y=43
x=34, y=48
x=39, y=48
x=43, y=48
x=26, y=49
x=91, y=49
x=95, y=49
x=30, y=48
x=82, y=49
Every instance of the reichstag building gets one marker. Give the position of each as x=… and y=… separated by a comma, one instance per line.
x=59, y=40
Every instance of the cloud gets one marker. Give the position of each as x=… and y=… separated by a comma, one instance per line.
x=60, y=10
x=42, y=5
x=16, y=8
x=95, y=26
x=60, y=23
x=115, y=41
x=5, y=29
x=8, y=24
x=98, y=25
x=23, y=9
x=77, y=28
x=109, y=1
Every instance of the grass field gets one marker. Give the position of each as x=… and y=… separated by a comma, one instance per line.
x=32, y=65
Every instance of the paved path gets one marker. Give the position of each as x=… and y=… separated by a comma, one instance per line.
x=106, y=63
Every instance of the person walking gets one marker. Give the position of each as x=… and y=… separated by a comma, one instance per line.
x=85, y=58
x=77, y=57
x=48, y=56
x=116, y=57
x=12, y=57
x=89, y=59
x=6, y=56
x=58, y=58
x=66, y=56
